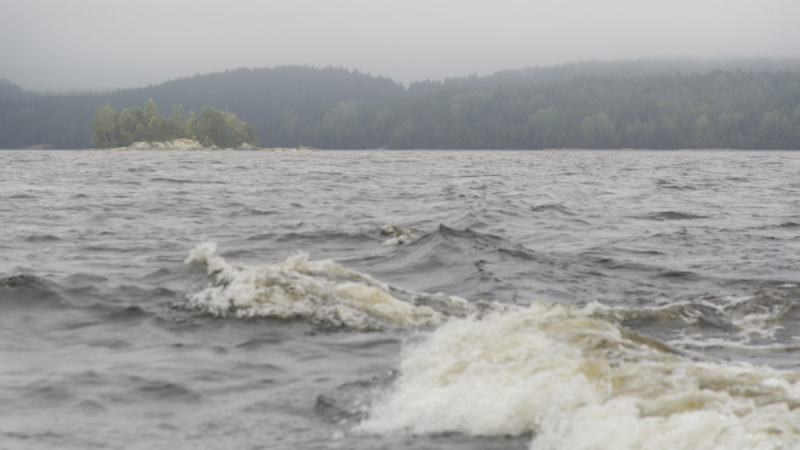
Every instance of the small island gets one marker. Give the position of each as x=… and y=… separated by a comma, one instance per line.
x=146, y=129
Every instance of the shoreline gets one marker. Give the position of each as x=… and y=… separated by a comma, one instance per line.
x=209, y=149
x=191, y=145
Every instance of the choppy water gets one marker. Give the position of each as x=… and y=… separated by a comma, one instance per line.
x=437, y=300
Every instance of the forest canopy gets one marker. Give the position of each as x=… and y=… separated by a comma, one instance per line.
x=635, y=104
x=212, y=127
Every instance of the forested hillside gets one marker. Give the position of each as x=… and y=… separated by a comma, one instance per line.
x=10, y=91
x=617, y=69
x=639, y=104
x=275, y=102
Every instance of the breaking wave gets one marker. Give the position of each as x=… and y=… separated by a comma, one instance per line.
x=570, y=377
x=575, y=381
x=400, y=235
x=320, y=292
x=762, y=318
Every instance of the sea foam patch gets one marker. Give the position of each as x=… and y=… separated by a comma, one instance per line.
x=400, y=235
x=575, y=381
x=755, y=321
x=320, y=292
x=570, y=377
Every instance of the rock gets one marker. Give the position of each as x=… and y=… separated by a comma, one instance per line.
x=185, y=144
x=39, y=147
x=188, y=144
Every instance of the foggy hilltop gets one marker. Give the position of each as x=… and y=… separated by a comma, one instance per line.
x=643, y=104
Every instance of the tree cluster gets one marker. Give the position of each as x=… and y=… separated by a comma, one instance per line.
x=266, y=98
x=211, y=127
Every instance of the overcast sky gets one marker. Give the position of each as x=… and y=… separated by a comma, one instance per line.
x=103, y=44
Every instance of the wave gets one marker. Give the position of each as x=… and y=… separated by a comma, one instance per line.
x=575, y=381
x=28, y=292
x=570, y=377
x=320, y=292
x=755, y=319
x=665, y=184
x=182, y=181
x=42, y=238
x=400, y=235
x=462, y=261
x=557, y=207
x=674, y=215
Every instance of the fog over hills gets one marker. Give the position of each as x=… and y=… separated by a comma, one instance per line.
x=78, y=45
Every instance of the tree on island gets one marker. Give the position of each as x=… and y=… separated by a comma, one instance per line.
x=104, y=127
x=212, y=127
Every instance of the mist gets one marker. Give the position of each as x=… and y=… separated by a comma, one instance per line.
x=57, y=46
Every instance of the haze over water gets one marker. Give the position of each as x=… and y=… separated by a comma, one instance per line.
x=553, y=299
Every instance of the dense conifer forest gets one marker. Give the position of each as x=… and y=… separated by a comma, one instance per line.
x=646, y=104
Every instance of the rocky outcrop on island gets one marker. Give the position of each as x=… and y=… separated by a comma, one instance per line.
x=176, y=144
x=39, y=147
x=189, y=144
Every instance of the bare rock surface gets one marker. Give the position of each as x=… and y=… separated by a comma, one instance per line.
x=189, y=144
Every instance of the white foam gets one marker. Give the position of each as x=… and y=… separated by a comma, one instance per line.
x=400, y=235
x=569, y=376
x=750, y=320
x=579, y=382
x=759, y=315
x=321, y=292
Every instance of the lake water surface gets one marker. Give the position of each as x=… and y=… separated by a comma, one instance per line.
x=415, y=299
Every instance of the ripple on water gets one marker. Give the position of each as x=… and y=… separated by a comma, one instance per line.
x=684, y=246
x=674, y=215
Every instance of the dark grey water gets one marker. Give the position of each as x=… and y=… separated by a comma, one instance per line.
x=678, y=272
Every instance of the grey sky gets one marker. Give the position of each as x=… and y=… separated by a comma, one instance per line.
x=102, y=44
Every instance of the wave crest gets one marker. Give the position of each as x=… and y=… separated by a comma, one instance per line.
x=569, y=376
x=577, y=381
x=320, y=292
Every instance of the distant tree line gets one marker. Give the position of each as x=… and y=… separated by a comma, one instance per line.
x=211, y=127
x=641, y=105
x=720, y=109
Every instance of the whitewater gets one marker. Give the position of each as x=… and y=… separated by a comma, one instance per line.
x=415, y=299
